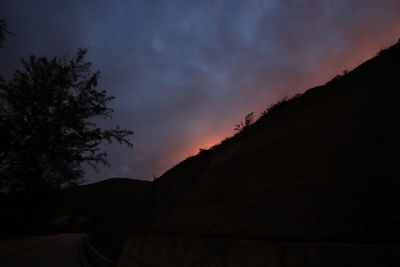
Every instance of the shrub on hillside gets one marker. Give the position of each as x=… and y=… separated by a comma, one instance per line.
x=248, y=120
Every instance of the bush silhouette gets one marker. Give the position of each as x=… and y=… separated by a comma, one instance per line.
x=278, y=105
x=248, y=120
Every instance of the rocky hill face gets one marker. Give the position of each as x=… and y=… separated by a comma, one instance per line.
x=323, y=166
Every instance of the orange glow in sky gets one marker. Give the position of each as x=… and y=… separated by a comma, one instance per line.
x=349, y=60
x=187, y=151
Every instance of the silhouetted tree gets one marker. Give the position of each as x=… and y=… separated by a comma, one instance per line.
x=47, y=127
x=248, y=120
x=3, y=31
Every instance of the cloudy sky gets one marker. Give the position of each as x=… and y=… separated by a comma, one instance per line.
x=184, y=72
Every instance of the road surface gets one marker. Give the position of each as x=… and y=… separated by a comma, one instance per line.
x=62, y=252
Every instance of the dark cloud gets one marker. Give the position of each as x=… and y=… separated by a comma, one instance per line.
x=184, y=72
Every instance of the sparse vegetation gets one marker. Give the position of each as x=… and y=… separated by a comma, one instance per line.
x=338, y=77
x=278, y=105
x=248, y=120
x=387, y=50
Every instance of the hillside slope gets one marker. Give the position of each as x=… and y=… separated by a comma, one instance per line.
x=322, y=167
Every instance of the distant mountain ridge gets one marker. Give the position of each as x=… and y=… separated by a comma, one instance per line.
x=76, y=209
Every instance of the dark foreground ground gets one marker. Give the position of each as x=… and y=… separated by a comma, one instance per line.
x=61, y=251
x=156, y=250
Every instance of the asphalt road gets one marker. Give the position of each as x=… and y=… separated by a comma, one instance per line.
x=63, y=252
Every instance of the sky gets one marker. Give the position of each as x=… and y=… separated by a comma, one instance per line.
x=185, y=72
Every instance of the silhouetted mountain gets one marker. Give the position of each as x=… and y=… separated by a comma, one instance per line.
x=77, y=209
x=323, y=166
x=93, y=202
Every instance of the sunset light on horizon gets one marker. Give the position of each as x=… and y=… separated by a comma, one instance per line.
x=184, y=74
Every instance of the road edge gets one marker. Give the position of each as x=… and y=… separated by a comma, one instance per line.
x=91, y=257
